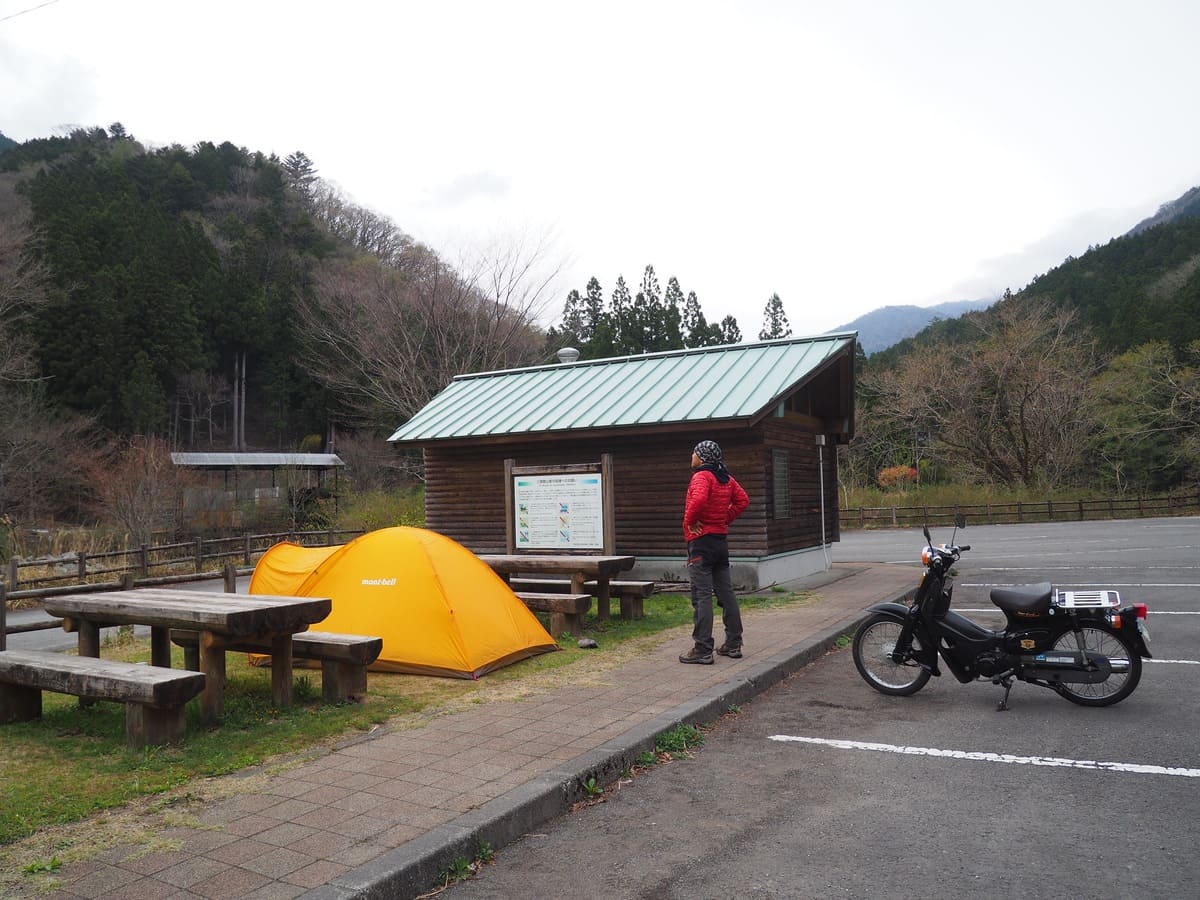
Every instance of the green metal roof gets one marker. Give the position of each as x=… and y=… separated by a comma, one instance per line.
x=734, y=382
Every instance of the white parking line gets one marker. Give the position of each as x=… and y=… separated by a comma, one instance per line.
x=1051, y=761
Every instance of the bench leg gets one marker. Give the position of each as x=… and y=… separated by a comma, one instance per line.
x=212, y=664
x=343, y=681
x=191, y=657
x=160, y=647
x=89, y=645
x=19, y=703
x=571, y=623
x=281, y=671
x=147, y=726
x=631, y=608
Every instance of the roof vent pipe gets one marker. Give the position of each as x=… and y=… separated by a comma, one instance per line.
x=568, y=355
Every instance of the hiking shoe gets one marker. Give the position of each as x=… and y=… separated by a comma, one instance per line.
x=731, y=652
x=698, y=656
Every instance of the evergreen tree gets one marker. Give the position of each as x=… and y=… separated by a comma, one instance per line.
x=621, y=317
x=593, y=304
x=574, y=322
x=730, y=333
x=672, y=316
x=775, y=321
x=699, y=332
x=300, y=174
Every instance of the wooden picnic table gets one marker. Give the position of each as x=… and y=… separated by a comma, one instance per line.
x=220, y=619
x=580, y=568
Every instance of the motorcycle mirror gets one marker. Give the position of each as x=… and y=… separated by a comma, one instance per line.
x=928, y=539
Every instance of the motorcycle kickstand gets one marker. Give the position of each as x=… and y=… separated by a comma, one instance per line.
x=1008, y=684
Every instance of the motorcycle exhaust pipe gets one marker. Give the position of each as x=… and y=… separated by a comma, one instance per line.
x=1068, y=667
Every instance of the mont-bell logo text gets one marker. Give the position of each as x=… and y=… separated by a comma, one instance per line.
x=381, y=582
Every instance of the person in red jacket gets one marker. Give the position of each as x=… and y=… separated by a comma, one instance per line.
x=714, y=499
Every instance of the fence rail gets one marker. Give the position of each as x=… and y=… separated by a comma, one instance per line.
x=182, y=561
x=1021, y=511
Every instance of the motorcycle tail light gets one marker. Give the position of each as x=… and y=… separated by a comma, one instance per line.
x=1140, y=609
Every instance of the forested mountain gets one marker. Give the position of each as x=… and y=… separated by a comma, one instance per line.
x=219, y=298
x=883, y=327
x=6, y=142
x=1180, y=208
x=1089, y=376
x=168, y=268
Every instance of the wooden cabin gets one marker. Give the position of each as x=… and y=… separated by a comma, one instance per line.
x=777, y=408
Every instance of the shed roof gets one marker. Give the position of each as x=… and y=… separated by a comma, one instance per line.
x=258, y=460
x=711, y=384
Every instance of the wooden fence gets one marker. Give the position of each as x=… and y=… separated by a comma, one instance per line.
x=1009, y=513
x=164, y=563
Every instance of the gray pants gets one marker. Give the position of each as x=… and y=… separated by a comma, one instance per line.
x=708, y=568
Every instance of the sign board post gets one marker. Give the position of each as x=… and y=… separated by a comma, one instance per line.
x=559, y=509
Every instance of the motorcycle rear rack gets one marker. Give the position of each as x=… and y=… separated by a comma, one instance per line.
x=1086, y=599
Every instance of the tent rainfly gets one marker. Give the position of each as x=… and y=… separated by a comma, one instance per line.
x=439, y=609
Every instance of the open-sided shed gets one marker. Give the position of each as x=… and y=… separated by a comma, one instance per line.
x=778, y=409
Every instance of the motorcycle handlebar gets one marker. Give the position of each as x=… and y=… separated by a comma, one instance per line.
x=965, y=547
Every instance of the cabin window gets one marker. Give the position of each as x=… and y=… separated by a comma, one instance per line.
x=781, y=487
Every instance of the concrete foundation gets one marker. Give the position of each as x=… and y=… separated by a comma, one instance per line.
x=748, y=573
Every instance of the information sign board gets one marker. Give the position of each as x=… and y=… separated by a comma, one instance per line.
x=559, y=512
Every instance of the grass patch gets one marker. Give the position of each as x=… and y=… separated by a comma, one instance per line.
x=73, y=762
x=665, y=611
x=679, y=741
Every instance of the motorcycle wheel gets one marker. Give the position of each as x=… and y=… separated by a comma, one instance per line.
x=873, y=644
x=1126, y=665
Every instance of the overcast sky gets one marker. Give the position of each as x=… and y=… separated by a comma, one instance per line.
x=846, y=155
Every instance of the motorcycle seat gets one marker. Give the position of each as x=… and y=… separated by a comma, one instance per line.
x=1025, y=598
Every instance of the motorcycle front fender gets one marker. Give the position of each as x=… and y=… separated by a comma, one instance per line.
x=904, y=615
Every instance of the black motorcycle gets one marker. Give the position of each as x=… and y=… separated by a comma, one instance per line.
x=1081, y=644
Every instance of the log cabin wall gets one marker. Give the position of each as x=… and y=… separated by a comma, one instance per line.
x=464, y=487
x=799, y=526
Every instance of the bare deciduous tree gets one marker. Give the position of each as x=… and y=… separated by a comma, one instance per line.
x=363, y=229
x=371, y=464
x=143, y=490
x=1012, y=407
x=392, y=336
x=46, y=458
x=200, y=395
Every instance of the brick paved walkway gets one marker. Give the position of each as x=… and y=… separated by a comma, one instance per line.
x=382, y=814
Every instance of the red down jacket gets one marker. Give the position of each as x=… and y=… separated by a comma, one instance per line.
x=711, y=505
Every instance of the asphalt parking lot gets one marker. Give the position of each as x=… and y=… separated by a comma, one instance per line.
x=823, y=787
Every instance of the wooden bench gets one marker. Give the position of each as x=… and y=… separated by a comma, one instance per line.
x=344, y=657
x=566, y=610
x=154, y=697
x=631, y=593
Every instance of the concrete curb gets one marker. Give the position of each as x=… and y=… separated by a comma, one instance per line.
x=416, y=866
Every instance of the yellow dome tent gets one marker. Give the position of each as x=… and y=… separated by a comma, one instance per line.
x=439, y=609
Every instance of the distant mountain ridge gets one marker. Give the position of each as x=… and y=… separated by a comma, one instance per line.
x=1182, y=207
x=888, y=325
